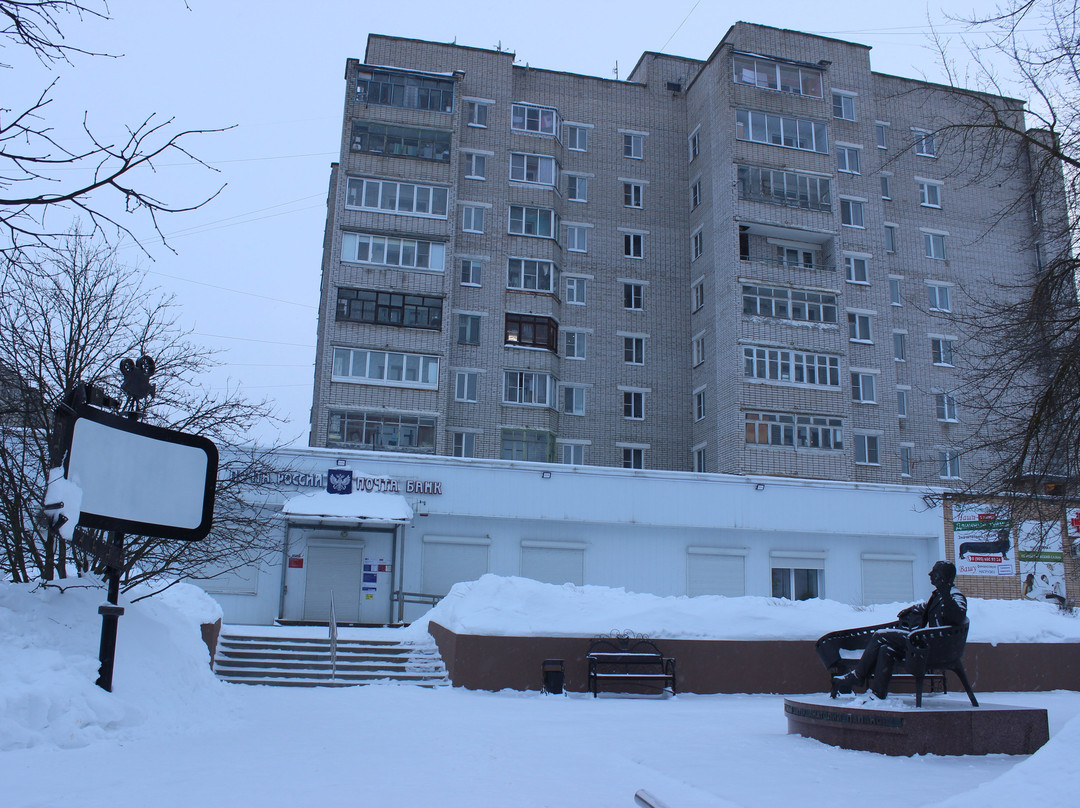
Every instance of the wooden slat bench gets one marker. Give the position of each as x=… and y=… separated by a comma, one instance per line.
x=622, y=660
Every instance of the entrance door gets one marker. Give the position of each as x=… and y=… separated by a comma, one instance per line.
x=337, y=569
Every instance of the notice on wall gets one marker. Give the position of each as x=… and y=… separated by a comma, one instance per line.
x=373, y=567
x=982, y=539
x=1042, y=562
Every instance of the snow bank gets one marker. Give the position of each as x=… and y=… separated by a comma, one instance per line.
x=50, y=639
x=522, y=607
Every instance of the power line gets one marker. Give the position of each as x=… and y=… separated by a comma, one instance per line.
x=252, y=339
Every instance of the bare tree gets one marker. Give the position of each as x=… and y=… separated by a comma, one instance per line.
x=68, y=318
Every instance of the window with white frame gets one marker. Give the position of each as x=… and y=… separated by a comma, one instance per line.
x=530, y=221
x=401, y=253
x=475, y=166
x=382, y=431
x=843, y=106
x=574, y=344
x=577, y=238
x=699, y=405
x=532, y=276
x=573, y=454
x=858, y=327
x=464, y=444
x=697, y=349
x=534, y=119
x=634, y=245
x=633, y=145
x=891, y=238
x=906, y=453
x=902, y=402
x=633, y=405
x=881, y=135
x=388, y=368
x=895, y=296
x=781, y=130
x=699, y=460
x=797, y=367
x=770, y=75
x=851, y=213
x=924, y=143
x=472, y=218
x=694, y=144
x=941, y=350
x=695, y=195
x=866, y=450
x=899, y=346
x=863, y=388
x=946, y=407
x=949, y=464
x=697, y=295
x=821, y=432
x=939, y=296
x=934, y=245
x=847, y=159
x=929, y=193
x=886, y=186
x=468, y=330
x=697, y=245
x=633, y=295
x=792, y=256
x=470, y=272
x=478, y=113
x=573, y=399
x=528, y=388
x=789, y=304
x=857, y=268
x=633, y=457
x=575, y=290
x=577, y=188
x=385, y=196
x=796, y=583
x=465, y=385
x=537, y=169
x=577, y=137
x=634, y=350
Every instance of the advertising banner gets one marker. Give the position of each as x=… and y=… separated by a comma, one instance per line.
x=982, y=539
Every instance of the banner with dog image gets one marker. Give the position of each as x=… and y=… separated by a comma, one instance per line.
x=1042, y=562
x=982, y=538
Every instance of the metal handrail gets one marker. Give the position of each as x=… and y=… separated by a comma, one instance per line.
x=413, y=597
x=333, y=638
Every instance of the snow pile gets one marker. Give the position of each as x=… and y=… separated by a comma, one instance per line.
x=50, y=638
x=522, y=607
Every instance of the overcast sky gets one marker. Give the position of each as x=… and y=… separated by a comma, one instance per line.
x=246, y=272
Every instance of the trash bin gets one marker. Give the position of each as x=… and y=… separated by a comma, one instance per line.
x=553, y=674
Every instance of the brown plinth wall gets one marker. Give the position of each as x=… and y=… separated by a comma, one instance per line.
x=480, y=662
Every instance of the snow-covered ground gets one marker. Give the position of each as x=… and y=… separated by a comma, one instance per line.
x=171, y=735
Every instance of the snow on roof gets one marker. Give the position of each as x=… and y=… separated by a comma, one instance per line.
x=359, y=505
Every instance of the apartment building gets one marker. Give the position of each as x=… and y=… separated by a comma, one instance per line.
x=749, y=264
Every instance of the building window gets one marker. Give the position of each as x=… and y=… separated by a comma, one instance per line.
x=881, y=133
x=929, y=194
x=924, y=144
x=895, y=298
x=697, y=350
x=478, y=113
x=470, y=272
x=538, y=120
x=934, y=246
x=634, y=350
x=382, y=431
x=781, y=130
x=369, y=137
x=866, y=450
x=633, y=145
x=395, y=197
x=799, y=367
x=901, y=403
x=472, y=218
x=634, y=245
x=890, y=238
x=941, y=350
x=527, y=444
x=633, y=406
x=851, y=213
x=699, y=461
x=577, y=238
x=695, y=146
x=575, y=291
x=787, y=188
x=939, y=297
x=389, y=308
x=847, y=159
x=633, y=458
x=634, y=296
x=886, y=189
x=858, y=327
x=574, y=344
x=577, y=138
x=856, y=268
x=862, y=388
x=392, y=252
x=695, y=195
x=468, y=329
x=577, y=188
x=573, y=454
x=534, y=168
x=527, y=388
x=475, y=166
x=949, y=463
x=465, y=385
x=905, y=461
x=531, y=331
x=528, y=221
x=795, y=257
x=699, y=405
x=793, y=583
x=464, y=444
x=386, y=368
x=843, y=106
x=899, y=346
x=697, y=295
x=769, y=75
x=573, y=400
x=632, y=193
x=807, y=431
x=392, y=89
x=697, y=245
x=946, y=407
x=789, y=304
x=532, y=276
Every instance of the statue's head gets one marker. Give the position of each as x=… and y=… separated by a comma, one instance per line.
x=943, y=573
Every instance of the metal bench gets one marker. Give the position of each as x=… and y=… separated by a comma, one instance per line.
x=624, y=659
